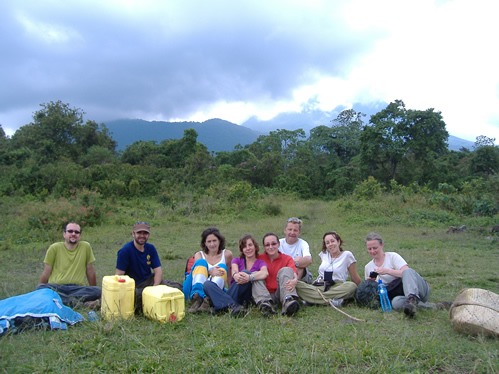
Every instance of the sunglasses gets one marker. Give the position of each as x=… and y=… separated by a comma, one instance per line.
x=273, y=244
x=294, y=220
x=73, y=232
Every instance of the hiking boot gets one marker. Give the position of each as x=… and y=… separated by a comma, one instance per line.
x=443, y=305
x=338, y=303
x=237, y=311
x=290, y=307
x=196, y=303
x=410, y=306
x=205, y=306
x=266, y=308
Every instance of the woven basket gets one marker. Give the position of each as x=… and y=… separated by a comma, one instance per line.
x=476, y=311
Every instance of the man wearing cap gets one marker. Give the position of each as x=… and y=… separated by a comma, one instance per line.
x=139, y=260
x=68, y=265
x=294, y=246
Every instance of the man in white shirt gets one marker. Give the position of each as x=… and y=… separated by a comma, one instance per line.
x=297, y=248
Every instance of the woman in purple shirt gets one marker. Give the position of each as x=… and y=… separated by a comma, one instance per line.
x=245, y=269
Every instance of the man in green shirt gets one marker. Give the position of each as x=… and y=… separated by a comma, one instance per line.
x=68, y=266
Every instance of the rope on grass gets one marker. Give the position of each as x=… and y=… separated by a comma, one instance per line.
x=338, y=309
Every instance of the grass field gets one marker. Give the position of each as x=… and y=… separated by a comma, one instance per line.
x=317, y=340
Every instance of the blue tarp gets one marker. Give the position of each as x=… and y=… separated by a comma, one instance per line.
x=42, y=305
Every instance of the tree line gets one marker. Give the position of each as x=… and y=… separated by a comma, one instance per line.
x=59, y=153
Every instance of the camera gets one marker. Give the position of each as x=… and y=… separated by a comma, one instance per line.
x=373, y=274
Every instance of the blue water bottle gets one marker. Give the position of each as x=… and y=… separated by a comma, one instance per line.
x=383, y=297
x=92, y=316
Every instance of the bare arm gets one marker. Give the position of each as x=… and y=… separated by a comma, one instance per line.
x=47, y=270
x=234, y=269
x=243, y=277
x=303, y=262
x=91, y=275
x=158, y=275
x=261, y=274
x=228, y=260
x=354, y=276
x=392, y=272
x=119, y=272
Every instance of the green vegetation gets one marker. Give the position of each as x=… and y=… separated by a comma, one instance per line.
x=393, y=175
x=319, y=339
x=58, y=154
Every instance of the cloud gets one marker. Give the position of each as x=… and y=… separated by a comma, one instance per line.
x=194, y=60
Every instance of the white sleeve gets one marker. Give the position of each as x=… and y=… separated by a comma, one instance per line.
x=305, y=248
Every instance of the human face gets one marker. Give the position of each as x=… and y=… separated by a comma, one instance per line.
x=292, y=232
x=140, y=237
x=212, y=243
x=249, y=249
x=375, y=249
x=72, y=233
x=332, y=245
x=271, y=244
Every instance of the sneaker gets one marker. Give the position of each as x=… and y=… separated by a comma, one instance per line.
x=290, y=307
x=237, y=311
x=266, y=308
x=338, y=303
x=205, y=306
x=196, y=303
x=410, y=306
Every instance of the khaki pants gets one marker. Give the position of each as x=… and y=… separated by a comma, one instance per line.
x=310, y=293
x=260, y=292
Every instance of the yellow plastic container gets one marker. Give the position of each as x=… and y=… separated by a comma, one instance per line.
x=163, y=303
x=118, y=297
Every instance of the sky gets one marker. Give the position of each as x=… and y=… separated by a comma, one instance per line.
x=193, y=60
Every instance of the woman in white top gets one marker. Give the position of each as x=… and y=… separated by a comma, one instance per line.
x=210, y=265
x=342, y=264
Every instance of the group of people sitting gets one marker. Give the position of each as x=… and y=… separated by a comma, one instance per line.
x=217, y=281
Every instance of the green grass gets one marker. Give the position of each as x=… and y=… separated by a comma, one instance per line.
x=317, y=340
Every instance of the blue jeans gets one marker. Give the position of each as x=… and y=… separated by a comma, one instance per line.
x=72, y=294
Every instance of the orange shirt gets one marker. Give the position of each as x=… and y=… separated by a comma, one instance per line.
x=274, y=266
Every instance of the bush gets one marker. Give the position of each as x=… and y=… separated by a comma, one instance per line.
x=368, y=189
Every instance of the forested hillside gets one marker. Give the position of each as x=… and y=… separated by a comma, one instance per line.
x=216, y=134
x=397, y=149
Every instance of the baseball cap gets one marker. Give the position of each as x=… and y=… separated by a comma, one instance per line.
x=141, y=226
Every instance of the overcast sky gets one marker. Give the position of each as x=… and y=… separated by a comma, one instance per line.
x=199, y=59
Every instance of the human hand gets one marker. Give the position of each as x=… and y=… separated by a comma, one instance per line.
x=241, y=277
x=290, y=284
x=216, y=271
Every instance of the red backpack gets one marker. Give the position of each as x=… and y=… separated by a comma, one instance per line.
x=188, y=265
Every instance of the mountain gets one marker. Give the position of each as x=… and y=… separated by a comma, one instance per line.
x=220, y=135
x=216, y=134
x=455, y=143
x=309, y=118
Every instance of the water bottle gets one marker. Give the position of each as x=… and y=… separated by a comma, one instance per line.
x=92, y=316
x=383, y=297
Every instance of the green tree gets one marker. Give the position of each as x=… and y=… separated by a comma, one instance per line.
x=58, y=132
x=140, y=152
x=403, y=145
x=485, y=160
x=483, y=140
x=345, y=135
